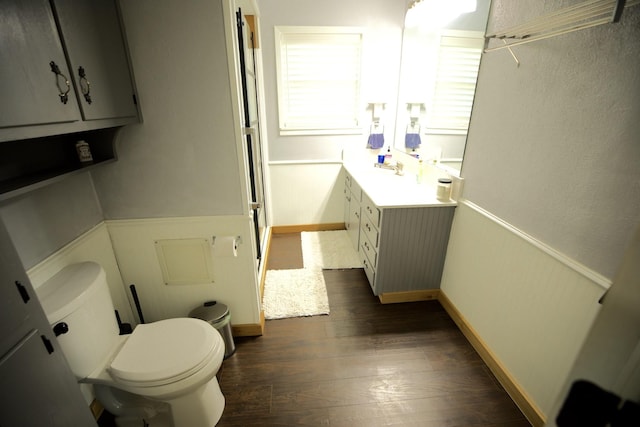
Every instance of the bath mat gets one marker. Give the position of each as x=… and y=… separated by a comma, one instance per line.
x=328, y=250
x=294, y=293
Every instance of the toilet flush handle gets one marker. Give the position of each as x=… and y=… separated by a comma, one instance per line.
x=60, y=328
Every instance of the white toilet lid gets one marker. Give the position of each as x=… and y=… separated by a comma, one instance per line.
x=165, y=351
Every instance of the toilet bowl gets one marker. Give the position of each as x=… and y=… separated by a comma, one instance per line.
x=163, y=373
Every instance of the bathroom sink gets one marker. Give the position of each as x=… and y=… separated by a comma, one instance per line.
x=388, y=189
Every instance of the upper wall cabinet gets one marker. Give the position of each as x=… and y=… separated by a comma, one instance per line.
x=64, y=68
x=95, y=48
x=32, y=93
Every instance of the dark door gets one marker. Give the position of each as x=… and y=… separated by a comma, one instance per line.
x=251, y=123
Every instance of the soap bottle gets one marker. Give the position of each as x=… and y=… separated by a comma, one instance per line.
x=420, y=173
x=387, y=156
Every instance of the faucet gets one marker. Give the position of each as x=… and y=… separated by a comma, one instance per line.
x=398, y=167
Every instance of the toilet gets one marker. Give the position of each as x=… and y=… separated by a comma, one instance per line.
x=162, y=374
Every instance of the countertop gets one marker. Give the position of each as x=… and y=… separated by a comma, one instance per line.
x=388, y=190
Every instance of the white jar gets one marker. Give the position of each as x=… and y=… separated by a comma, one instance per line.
x=444, y=190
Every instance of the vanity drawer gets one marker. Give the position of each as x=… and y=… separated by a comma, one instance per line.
x=371, y=210
x=370, y=230
x=369, y=250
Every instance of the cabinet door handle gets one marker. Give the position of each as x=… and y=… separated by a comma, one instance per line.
x=85, y=86
x=47, y=344
x=63, y=90
x=23, y=292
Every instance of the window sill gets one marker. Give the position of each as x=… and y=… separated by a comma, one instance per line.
x=462, y=132
x=316, y=132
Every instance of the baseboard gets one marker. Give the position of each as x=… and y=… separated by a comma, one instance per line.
x=96, y=409
x=518, y=395
x=249, y=329
x=265, y=262
x=281, y=229
x=409, y=296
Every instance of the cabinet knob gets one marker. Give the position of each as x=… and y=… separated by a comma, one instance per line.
x=63, y=88
x=85, y=86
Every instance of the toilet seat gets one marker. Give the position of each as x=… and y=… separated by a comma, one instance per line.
x=165, y=352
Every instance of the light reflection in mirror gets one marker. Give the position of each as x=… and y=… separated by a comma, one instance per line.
x=423, y=95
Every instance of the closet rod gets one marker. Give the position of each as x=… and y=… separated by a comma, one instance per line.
x=564, y=21
x=575, y=14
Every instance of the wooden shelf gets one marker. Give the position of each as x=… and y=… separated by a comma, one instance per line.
x=27, y=165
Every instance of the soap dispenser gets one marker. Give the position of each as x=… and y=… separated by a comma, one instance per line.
x=388, y=155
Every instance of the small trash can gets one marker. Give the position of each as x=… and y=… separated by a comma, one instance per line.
x=218, y=316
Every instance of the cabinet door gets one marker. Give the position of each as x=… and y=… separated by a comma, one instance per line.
x=346, y=209
x=17, y=299
x=35, y=392
x=14, y=312
x=353, y=229
x=37, y=387
x=30, y=89
x=93, y=40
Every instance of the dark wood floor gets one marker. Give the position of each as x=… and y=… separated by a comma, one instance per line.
x=365, y=364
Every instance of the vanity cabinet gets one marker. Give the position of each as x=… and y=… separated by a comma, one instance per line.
x=65, y=68
x=406, y=251
x=37, y=387
x=402, y=248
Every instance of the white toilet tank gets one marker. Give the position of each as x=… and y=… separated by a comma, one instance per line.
x=78, y=295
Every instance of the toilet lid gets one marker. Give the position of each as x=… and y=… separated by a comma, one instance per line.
x=165, y=351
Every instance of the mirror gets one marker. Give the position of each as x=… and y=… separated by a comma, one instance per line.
x=437, y=78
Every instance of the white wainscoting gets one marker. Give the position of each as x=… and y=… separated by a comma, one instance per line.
x=94, y=245
x=306, y=192
x=235, y=279
x=531, y=305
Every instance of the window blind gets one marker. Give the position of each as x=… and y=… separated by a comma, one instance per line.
x=457, y=73
x=318, y=79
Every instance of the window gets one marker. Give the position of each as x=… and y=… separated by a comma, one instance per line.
x=457, y=72
x=318, y=71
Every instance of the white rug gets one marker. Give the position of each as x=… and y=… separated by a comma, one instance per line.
x=294, y=293
x=328, y=250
